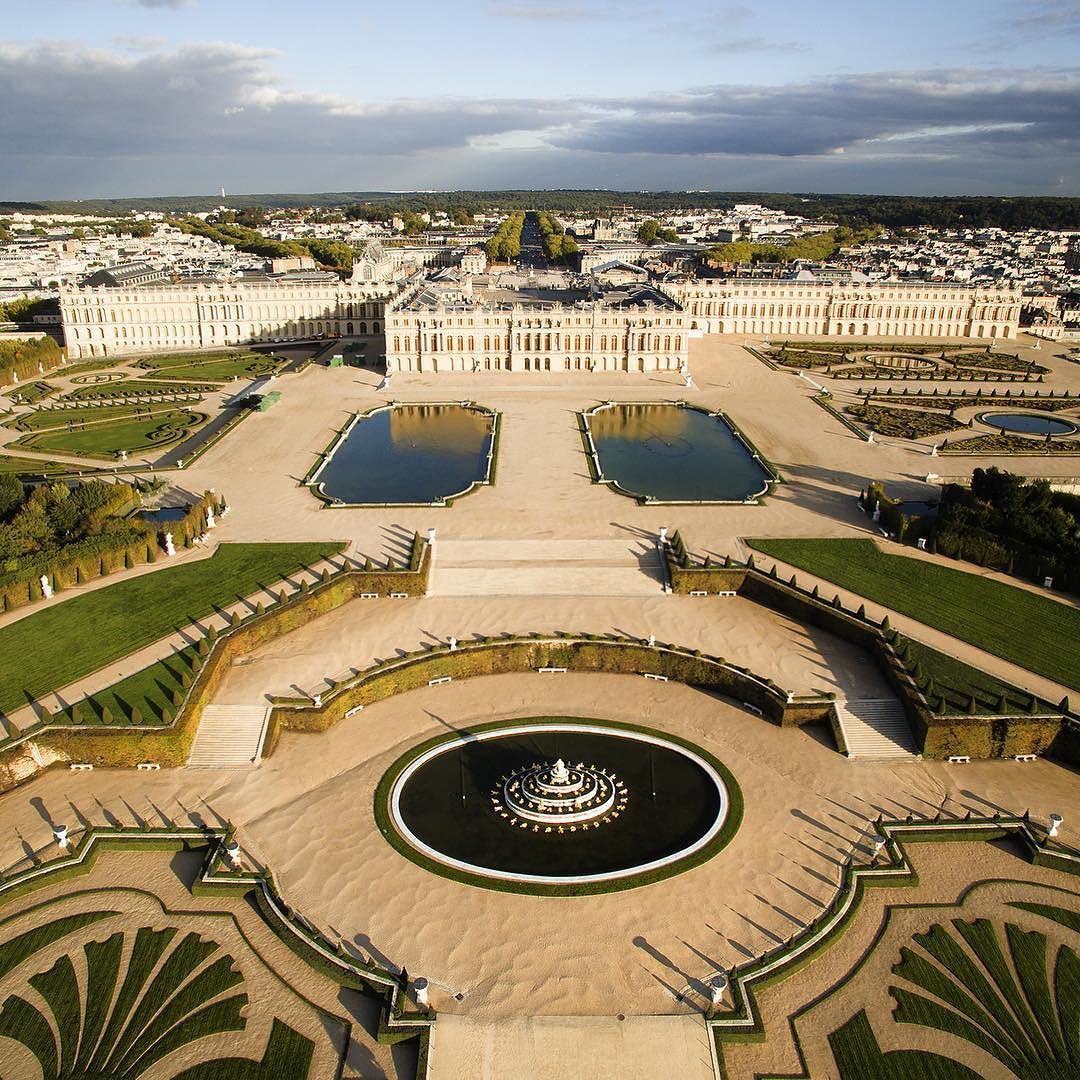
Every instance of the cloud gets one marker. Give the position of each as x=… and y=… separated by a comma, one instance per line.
x=757, y=43
x=1042, y=17
x=72, y=112
x=174, y=4
x=542, y=11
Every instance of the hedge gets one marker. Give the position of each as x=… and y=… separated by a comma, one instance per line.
x=580, y=653
x=124, y=744
x=937, y=734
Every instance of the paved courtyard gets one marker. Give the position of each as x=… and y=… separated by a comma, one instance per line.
x=544, y=549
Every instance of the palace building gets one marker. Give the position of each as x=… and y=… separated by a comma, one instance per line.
x=617, y=318
x=554, y=323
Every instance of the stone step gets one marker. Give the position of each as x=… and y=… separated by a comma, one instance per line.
x=542, y=552
x=876, y=728
x=557, y=580
x=229, y=736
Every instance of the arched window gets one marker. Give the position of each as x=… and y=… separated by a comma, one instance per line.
x=577, y=342
x=460, y=343
x=498, y=342
x=487, y=342
x=472, y=344
x=408, y=343
x=678, y=342
x=588, y=342
x=363, y=328
x=603, y=342
x=397, y=343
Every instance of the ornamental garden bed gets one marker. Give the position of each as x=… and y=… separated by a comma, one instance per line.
x=903, y=423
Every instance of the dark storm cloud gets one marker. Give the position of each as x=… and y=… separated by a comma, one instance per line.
x=220, y=102
x=826, y=116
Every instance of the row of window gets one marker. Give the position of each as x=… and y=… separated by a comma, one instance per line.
x=663, y=343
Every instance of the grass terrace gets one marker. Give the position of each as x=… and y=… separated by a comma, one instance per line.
x=216, y=366
x=1022, y=627
x=54, y=647
x=131, y=433
x=136, y=388
x=31, y=393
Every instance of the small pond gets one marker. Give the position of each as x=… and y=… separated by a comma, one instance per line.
x=675, y=453
x=409, y=454
x=1027, y=424
x=163, y=513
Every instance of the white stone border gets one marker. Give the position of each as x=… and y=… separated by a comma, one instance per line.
x=541, y=879
x=316, y=485
x=773, y=477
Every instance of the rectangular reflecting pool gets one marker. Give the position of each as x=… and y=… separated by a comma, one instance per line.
x=402, y=454
x=674, y=453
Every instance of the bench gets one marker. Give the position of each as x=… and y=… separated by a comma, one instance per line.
x=148, y=766
x=698, y=592
x=656, y=678
x=1026, y=757
x=354, y=710
x=752, y=708
x=442, y=679
x=80, y=765
x=959, y=759
x=399, y=596
x=369, y=596
x=551, y=670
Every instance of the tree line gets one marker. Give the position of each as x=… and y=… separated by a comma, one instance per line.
x=505, y=245
x=815, y=248
x=856, y=211
x=557, y=243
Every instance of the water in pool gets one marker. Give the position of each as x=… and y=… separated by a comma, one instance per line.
x=409, y=454
x=1027, y=424
x=674, y=454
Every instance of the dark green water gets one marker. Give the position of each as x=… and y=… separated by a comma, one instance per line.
x=409, y=454
x=685, y=805
x=674, y=454
x=1029, y=425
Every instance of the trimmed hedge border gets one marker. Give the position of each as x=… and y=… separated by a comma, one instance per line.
x=575, y=652
x=398, y=1021
x=532, y=888
x=127, y=744
x=743, y=1023
x=823, y=401
x=939, y=735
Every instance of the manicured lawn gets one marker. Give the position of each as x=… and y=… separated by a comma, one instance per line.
x=219, y=366
x=1020, y=626
x=41, y=419
x=136, y=388
x=11, y=464
x=58, y=645
x=150, y=691
x=28, y=393
x=133, y=433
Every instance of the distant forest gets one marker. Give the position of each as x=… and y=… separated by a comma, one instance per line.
x=852, y=211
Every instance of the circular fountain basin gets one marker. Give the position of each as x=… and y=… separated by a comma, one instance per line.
x=559, y=804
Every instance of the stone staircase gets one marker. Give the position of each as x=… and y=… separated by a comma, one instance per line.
x=546, y=568
x=876, y=729
x=229, y=736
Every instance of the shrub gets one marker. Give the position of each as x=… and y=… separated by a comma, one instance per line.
x=234, y=619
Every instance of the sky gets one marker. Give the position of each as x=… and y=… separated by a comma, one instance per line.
x=113, y=98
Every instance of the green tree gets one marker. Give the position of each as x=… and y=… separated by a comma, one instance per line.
x=648, y=231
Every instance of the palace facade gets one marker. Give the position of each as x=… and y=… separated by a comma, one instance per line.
x=465, y=326
x=815, y=306
x=451, y=320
